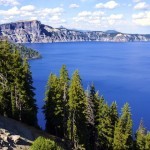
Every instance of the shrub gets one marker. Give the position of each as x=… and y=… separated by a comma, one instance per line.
x=44, y=144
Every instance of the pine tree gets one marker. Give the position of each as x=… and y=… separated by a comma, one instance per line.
x=92, y=110
x=52, y=109
x=77, y=111
x=113, y=112
x=16, y=91
x=56, y=103
x=5, y=66
x=90, y=122
x=147, y=141
x=64, y=86
x=104, y=127
x=141, y=136
x=30, y=107
x=17, y=87
x=123, y=130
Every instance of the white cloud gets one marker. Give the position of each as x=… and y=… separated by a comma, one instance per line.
x=136, y=1
x=108, y=5
x=84, y=14
x=142, y=19
x=51, y=16
x=28, y=8
x=33, y=18
x=9, y=2
x=73, y=6
x=13, y=11
x=97, y=18
x=116, y=17
x=52, y=11
x=138, y=16
x=89, y=16
x=141, y=6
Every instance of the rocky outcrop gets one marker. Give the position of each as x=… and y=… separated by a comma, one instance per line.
x=15, y=135
x=35, y=32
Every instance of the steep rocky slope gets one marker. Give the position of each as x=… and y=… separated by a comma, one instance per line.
x=35, y=32
x=15, y=135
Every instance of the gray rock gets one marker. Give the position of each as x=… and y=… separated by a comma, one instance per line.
x=35, y=32
x=15, y=138
x=4, y=137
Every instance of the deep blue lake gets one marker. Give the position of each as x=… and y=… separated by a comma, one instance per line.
x=120, y=71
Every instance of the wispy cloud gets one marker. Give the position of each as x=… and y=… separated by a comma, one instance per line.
x=27, y=8
x=142, y=19
x=9, y=2
x=30, y=12
x=136, y=1
x=73, y=6
x=108, y=5
x=141, y=6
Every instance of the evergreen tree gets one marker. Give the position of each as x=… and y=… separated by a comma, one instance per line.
x=104, y=127
x=5, y=67
x=64, y=86
x=92, y=111
x=113, y=112
x=77, y=111
x=30, y=107
x=123, y=130
x=90, y=122
x=147, y=141
x=56, y=103
x=16, y=91
x=52, y=109
x=140, y=137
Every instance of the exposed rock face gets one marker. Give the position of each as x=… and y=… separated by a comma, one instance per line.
x=15, y=135
x=35, y=32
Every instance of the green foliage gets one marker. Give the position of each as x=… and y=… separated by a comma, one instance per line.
x=77, y=110
x=44, y=144
x=16, y=90
x=123, y=130
x=82, y=117
x=141, y=137
x=105, y=125
x=52, y=107
x=56, y=103
x=147, y=141
x=25, y=52
x=86, y=119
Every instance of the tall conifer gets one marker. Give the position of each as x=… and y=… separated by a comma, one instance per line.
x=77, y=111
x=123, y=130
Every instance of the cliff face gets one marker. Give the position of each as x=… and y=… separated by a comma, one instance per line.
x=35, y=32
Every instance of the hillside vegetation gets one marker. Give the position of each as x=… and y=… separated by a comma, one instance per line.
x=24, y=51
x=80, y=119
x=85, y=118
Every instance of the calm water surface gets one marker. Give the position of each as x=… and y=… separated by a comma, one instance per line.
x=120, y=71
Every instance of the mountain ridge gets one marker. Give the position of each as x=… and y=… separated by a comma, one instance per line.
x=35, y=32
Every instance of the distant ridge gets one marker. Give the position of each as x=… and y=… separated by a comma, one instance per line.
x=35, y=32
x=111, y=31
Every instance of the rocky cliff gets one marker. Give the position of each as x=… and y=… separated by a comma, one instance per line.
x=35, y=32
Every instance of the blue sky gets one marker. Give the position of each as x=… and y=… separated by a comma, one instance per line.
x=129, y=16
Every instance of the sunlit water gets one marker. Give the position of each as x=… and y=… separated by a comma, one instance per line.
x=120, y=71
